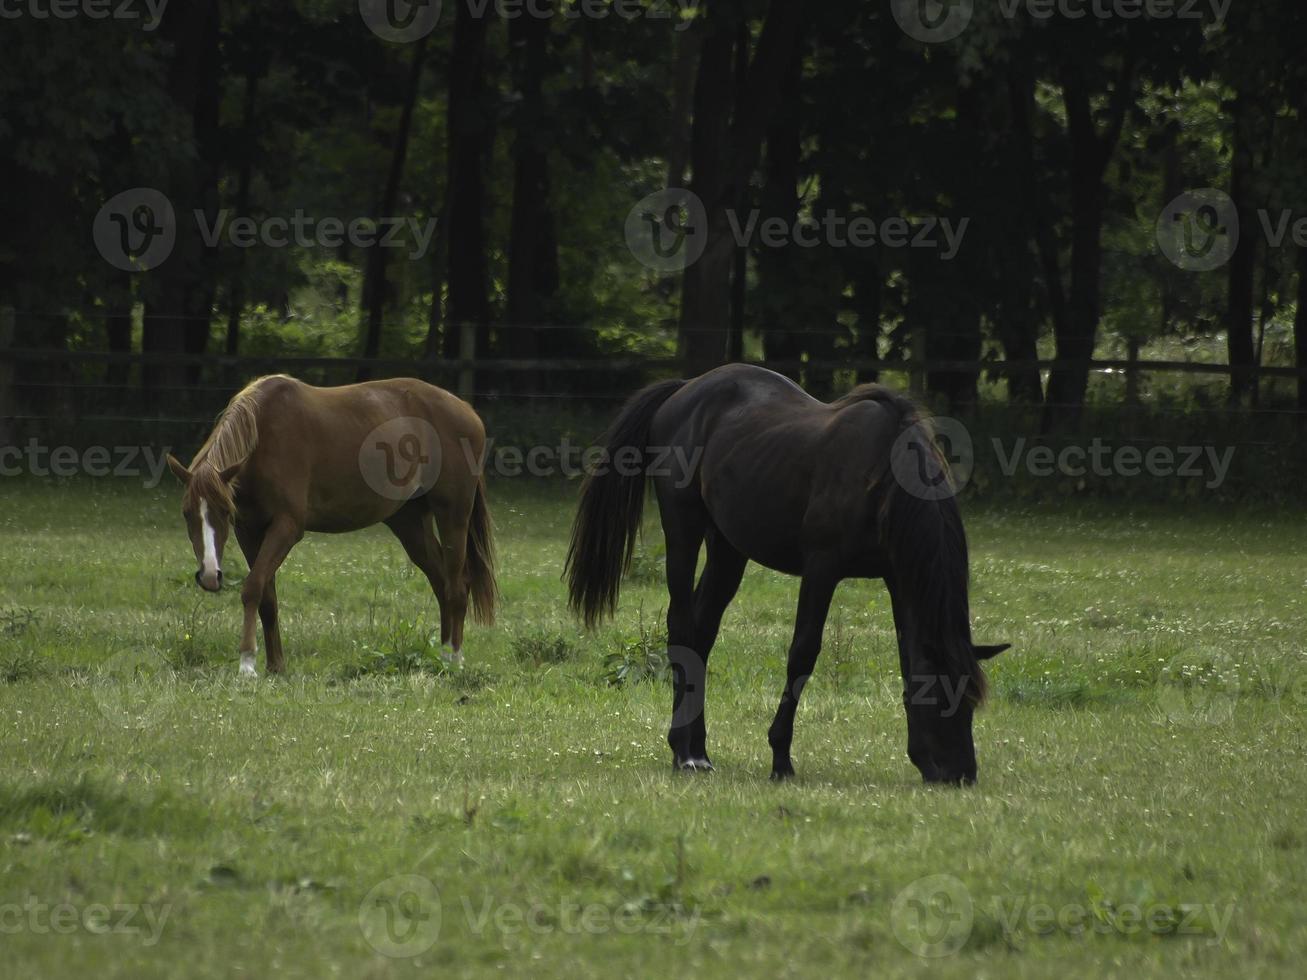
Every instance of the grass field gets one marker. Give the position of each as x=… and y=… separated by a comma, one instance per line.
x=1140, y=810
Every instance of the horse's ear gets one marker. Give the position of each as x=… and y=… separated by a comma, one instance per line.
x=230, y=472
x=178, y=470
x=987, y=652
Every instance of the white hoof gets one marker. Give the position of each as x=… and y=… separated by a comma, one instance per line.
x=451, y=656
x=247, y=665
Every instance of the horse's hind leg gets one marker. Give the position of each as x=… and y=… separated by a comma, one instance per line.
x=453, y=524
x=683, y=529
x=718, y=583
x=815, y=594
x=412, y=525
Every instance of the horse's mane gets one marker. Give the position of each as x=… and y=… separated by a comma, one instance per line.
x=925, y=539
x=234, y=437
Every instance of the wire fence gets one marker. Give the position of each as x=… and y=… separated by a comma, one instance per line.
x=80, y=395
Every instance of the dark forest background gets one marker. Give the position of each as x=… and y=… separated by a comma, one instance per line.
x=529, y=139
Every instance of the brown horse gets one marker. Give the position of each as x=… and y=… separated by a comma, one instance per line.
x=286, y=457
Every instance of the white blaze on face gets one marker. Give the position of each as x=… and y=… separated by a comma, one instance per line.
x=210, y=567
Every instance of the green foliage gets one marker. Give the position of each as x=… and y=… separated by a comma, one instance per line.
x=16, y=621
x=16, y=667
x=648, y=564
x=640, y=657
x=403, y=648
x=192, y=637
x=540, y=647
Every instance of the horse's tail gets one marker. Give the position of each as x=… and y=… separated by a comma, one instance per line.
x=921, y=531
x=481, y=559
x=612, y=503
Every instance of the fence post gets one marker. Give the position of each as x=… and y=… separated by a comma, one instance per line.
x=467, y=352
x=8, y=371
x=1132, y=374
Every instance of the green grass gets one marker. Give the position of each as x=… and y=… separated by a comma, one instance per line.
x=1143, y=748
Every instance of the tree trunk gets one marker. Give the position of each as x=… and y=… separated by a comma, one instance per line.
x=470, y=134
x=118, y=330
x=724, y=154
x=436, y=313
x=1243, y=263
x=8, y=372
x=1090, y=154
x=245, y=176
x=868, y=296
x=953, y=334
x=1300, y=331
x=179, y=305
x=706, y=290
x=689, y=42
x=1018, y=320
x=374, y=281
x=740, y=266
x=1068, y=383
x=533, y=275
x=774, y=299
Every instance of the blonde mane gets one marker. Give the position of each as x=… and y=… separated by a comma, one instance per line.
x=234, y=437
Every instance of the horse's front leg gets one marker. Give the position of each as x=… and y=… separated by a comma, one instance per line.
x=271, y=629
x=815, y=594
x=905, y=631
x=683, y=530
x=259, y=596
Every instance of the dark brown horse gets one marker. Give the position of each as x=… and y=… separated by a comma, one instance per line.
x=744, y=461
x=286, y=457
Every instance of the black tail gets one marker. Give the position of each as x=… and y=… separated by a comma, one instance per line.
x=921, y=530
x=612, y=503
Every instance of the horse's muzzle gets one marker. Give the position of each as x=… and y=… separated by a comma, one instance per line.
x=217, y=587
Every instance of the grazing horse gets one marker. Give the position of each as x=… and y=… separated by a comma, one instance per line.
x=744, y=460
x=286, y=457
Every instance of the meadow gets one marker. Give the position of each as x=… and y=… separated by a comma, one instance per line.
x=377, y=812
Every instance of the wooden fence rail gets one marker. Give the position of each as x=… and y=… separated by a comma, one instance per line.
x=37, y=383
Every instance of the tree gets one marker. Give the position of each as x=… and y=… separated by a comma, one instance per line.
x=726, y=144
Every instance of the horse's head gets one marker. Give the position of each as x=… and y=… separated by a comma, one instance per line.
x=207, y=506
x=941, y=705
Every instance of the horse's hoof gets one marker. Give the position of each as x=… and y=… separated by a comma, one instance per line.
x=694, y=765
x=451, y=657
x=949, y=779
x=780, y=775
x=247, y=666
